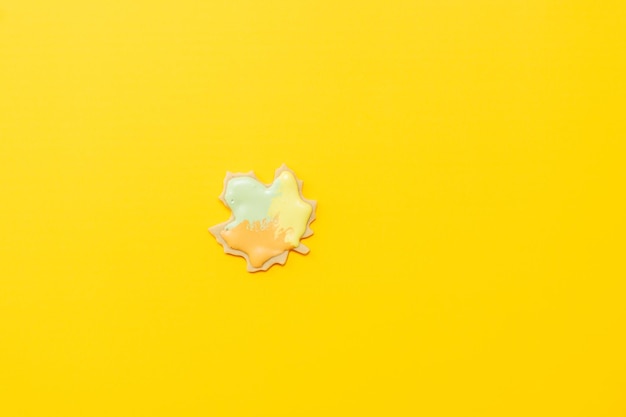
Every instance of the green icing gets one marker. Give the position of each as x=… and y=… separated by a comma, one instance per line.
x=249, y=200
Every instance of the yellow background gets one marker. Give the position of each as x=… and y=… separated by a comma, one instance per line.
x=468, y=160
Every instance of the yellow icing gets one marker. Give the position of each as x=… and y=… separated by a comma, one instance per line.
x=289, y=210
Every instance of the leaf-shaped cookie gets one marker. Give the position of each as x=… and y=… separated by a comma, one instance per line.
x=267, y=221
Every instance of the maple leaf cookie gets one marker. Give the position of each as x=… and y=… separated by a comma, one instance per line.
x=268, y=221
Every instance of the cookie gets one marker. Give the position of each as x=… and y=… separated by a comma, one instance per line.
x=267, y=221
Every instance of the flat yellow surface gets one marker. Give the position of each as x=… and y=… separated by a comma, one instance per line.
x=467, y=156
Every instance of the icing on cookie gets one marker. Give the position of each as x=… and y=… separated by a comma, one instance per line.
x=260, y=241
x=267, y=220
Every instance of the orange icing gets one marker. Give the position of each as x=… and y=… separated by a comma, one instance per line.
x=260, y=242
